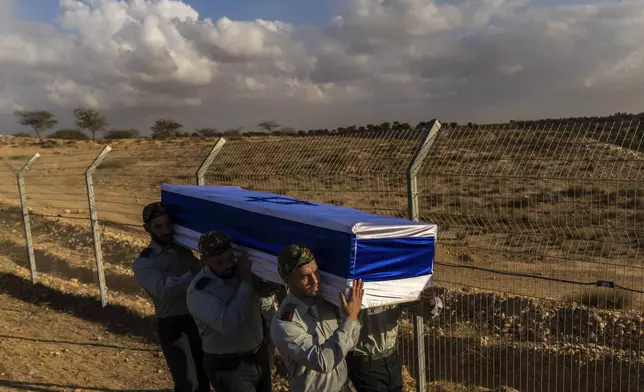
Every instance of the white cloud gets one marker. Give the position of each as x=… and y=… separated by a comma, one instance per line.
x=376, y=60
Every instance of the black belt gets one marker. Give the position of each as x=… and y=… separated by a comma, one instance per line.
x=228, y=362
x=233, y=356
x=373, y=357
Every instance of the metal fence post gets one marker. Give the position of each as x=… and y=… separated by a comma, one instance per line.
x=98, y=253
x=203, y=168
x=414, y=214
x=25, y=216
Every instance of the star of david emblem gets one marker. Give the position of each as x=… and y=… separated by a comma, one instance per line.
x=279, y=200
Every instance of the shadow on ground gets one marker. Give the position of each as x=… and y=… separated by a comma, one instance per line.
x=88, y=344
x=48, y=387
x=49, y=264
x=115, y=318
x=527, y=368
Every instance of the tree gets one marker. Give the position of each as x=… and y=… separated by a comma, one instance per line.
x=39, y=120
x=90, y=120
x=207, y=132
x=268, y=126
x=165, y=127
x=233, y=131
x=68, y=134
x=122, y=134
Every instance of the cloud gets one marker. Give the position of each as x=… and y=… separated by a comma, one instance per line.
x=376, y=60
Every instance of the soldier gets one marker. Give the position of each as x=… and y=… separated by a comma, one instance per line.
x=165, y=271
x=311, y=333
x=374, y=364
x=224, y=303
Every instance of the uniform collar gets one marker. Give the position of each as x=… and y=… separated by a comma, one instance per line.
x=158, y=248
x=302, y=307
x=218, y=281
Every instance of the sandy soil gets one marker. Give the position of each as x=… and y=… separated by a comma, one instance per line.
x=44, y=348
x=565, y=207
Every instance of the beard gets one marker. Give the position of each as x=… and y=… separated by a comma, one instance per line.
x=229, y=273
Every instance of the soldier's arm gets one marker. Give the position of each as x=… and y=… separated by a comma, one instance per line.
x=427, y=308
x=292, y=338
x=222, y=317
x=155, y=283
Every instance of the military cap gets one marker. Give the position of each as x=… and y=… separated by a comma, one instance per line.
x=153, y=210
x=213, y=243
x=292, y=257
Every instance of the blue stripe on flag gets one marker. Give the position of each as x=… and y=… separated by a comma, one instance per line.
x=394, y=258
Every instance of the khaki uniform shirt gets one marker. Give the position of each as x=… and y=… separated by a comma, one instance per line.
x=314, y=342
x=165, y=275
x=379, y=330
x=227, y=313
x=380, y=327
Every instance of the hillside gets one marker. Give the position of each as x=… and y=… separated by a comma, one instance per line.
x=525, y=212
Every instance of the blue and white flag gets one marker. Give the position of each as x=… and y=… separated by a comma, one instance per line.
x=394, y=257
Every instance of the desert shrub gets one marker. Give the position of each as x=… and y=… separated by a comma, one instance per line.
x=48, y=144
x=69, y=134
x=122, y=134
x=21, y=134
x=603, y=298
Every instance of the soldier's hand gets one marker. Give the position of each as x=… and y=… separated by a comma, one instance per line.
x=352, y=308
x=244, y=272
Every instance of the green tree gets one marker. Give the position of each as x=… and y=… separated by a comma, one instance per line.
x=68, y=134
x=268, y=126
x=39, y=120
x=122, y=134
x=165, y=127
x=90, y=120
x=233, y=131
x=207, y=132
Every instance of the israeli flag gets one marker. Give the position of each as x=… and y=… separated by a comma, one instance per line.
x=394, y=257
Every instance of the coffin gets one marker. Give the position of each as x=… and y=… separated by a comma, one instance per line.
x=394, y=257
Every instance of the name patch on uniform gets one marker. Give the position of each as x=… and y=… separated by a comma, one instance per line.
x=146, y=252
x=287, y=314
x=201, y=284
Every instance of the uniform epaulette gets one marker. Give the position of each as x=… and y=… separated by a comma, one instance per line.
x=147, y=252
x=287, y=313
x=201, y=283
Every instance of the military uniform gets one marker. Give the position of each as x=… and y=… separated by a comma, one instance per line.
x=374, y=364
x=267, y=292
x=229, y=319
x=165, y=275
x=314, y=342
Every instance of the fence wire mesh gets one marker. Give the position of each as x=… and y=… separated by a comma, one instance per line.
x=128, y=179
x=530, y=219
x=366, y=170
x=12, y=241
x=57, y=200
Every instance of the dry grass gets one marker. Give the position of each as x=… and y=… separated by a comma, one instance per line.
x=602, y=298
x=544, y=203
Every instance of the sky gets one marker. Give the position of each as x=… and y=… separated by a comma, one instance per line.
x=320, y=64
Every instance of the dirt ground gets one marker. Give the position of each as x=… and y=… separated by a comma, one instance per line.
x=47, y=349
x=518, y=207
x=55, y=341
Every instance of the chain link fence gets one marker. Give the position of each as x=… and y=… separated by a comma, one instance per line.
x=365, y=170
x=540, y=227
x=540, y=237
